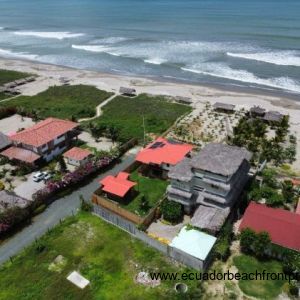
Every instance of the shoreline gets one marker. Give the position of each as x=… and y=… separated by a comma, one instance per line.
x=49, y=75
x=230, y=88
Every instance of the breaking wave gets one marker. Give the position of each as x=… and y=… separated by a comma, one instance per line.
x=60, y=35
x=22, y=55
x=223, y=71
x=96, y=49
x=284, y=58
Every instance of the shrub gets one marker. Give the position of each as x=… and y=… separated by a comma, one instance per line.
x=293, y=289
x=85, y=205
x=261, y=244
x=2, y=186
x=171, y=211
x=247, y=239
x=40, y=247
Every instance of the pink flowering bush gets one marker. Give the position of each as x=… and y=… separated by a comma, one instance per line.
x=72, y=178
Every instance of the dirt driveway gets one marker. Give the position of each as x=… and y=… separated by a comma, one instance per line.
x=14, y=123
x=29, y=187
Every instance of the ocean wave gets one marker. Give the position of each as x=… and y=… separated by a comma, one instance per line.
x=96, y=48
x=284, y=58
x=224, y=71
x=60, y=35
x=110, y=40
x=155, y=61
x=23, y=55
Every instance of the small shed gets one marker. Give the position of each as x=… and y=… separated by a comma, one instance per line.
x=257, y=111
x=77, y=156
x=209, y=218
x=118, y=188
x=130, y=92
x=183, y=100
x=273, y=117
x=224, y=107
x=194, y=243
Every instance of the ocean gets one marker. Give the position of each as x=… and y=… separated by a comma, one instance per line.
x=237, y=43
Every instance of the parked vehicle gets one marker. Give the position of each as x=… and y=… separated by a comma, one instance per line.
x=38, y=176
x=48, y=176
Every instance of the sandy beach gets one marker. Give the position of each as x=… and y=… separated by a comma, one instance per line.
x=50, y=75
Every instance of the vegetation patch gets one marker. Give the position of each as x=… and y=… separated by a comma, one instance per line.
x=65, y=102
x=124, y=118
x=9, y=76
x=107, y=256
x=262, y=289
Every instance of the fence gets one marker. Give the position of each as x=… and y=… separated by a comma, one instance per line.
x=130, y=227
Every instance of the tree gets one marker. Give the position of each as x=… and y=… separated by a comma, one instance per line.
x=113, y=133
x=288, y=191
x=62, y=164
x=261, y=244
x=247, y=240
x=171, y=211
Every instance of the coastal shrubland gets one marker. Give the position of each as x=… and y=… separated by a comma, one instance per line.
x=255, y=135
x=66, y=102
x=125, y=118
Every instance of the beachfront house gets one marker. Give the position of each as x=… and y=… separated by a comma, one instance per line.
x=43, y=141
x=210, y=182
x=282, y=225
x=158, y=157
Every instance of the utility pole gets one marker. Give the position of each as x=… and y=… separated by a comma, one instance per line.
x=144, y=130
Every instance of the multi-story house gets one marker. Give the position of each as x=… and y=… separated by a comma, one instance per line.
x=43, y=141
x=214, y=177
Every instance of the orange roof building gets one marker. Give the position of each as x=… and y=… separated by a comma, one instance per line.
x=44, y=140
x=20, y=154
x=117, y=186
x=43, y=132
x=77, y=156
x=163, y=151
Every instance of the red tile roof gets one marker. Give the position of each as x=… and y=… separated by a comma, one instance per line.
x=77, y=153
x=43, y=132
x=283, y=226
x=119, y=185
x=164, y=151
x=20, y=154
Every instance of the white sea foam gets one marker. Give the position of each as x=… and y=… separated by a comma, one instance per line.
x=60, y=35
x=96, y=48
x=224, y=71
x=23, y=55
x=155, y=61
x=283, y=58
x=110, y=40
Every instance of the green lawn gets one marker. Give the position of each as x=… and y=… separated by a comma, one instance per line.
x=104, y=254
x=127, y=115
x=65, y=102
x=262, y=289
x=3, y=96
x=8, y=76
x=152, y=188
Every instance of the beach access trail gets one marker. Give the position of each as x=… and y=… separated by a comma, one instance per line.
x=98, y=109
x=57, y=211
